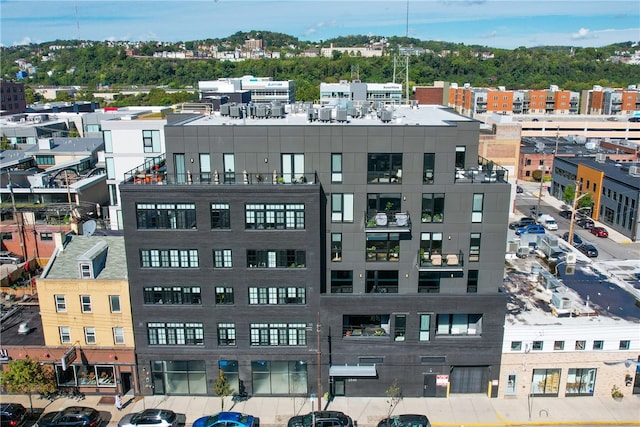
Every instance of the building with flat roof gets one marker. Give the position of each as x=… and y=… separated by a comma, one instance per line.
x=328, y=250
x=614, y=189
x=12, y=98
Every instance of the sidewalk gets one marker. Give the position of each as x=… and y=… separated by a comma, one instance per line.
x=458, y=410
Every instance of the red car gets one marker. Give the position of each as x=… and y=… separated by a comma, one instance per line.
x=599, y=231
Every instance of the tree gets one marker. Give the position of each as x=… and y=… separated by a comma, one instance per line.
x=222, y=388
x=394, y=395
x=537, y=175
x=27, y=376
x=4, y=143
x=569, y=195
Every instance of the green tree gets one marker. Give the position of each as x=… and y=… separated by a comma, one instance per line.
x=4, y=143
x=27, y=376
x=536, y=175
x=222, y=388
x=569, y=194
x=394, y=395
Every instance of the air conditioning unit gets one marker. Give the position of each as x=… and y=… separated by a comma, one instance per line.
x=571, y=259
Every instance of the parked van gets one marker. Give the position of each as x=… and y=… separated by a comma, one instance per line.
x=548, y=222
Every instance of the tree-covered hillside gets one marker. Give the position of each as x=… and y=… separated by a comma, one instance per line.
x=102, y=63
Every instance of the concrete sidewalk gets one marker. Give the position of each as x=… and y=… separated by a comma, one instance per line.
x=457, y=410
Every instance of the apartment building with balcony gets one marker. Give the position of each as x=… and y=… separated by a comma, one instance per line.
x=611, y=101
x=323, y=252
x=469, y=101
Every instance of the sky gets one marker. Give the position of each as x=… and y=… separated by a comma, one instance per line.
x=494, y=23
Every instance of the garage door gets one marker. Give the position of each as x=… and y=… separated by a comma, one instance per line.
x=469, y=379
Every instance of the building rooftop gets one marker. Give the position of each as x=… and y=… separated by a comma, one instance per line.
x=307, y=115
x=622, y=172
x=64, y=263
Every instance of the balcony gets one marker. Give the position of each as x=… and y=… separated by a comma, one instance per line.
x=432, y=261
x=382, y=221
x=154, y=172
x=485, y=172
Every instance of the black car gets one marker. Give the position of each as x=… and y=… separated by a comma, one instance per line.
x=586, y=223
x=565, y=214
x=576, y=239
x=322, y=419
x=522, y=222
x=73, y=416
x=12, y=414
x=406, y=420
x=589, y=250
x=519, y=189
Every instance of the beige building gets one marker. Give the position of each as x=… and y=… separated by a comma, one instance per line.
x=86, y=314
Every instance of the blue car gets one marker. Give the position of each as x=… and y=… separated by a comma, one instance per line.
x=227, y=419
x=530, y=229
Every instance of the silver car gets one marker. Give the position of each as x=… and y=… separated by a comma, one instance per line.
x=150, y=417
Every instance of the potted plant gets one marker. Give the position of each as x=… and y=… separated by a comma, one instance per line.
x=371, y=252
x=426, y=217
x=437, y=217
x=388, y=206
x=280, y=180
x=395, y=252
x=371, y=223
x=616, y=393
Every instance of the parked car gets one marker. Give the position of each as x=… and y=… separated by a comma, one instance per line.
x=576, y=239
x=73, y=416
x=565, y=214
x=406, y=420
x=154, y=417
x=12, y=414
x=7, y=257
x=589, y=250
x=322, y=419
x=599, y=232
x=586, y=223
x=519, y=189
x=227, y=419
x=522, y=222
x=530, y=229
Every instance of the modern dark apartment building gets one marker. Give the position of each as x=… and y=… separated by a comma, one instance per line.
x=318, y=250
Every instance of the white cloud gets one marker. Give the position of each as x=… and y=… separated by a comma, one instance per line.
x=583, y=33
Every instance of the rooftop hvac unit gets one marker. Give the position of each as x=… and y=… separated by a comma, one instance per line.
x=224, y=109
x=261, y=111
x=341, y=115
x=634, y=170
x=601, y=157
x=325, y=114
x=277, y=111
x=561, y=301
x=386, y=116
x=571, y=258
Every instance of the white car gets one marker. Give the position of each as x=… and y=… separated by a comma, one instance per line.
x=550, y=224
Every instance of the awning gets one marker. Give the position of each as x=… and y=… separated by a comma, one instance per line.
x=352, y=371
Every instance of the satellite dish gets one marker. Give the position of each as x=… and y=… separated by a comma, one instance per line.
x=89, y=227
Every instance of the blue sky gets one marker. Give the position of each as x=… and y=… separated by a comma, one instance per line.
x=494, y=23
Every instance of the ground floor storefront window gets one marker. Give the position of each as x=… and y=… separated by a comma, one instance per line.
x=581, y=382
x=179, y=377
x=545, y=382
x=86, y=376
x=279, y=377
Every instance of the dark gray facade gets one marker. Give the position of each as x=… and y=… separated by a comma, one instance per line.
x=386, y=298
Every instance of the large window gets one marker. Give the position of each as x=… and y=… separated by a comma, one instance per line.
x=171, y=216
x=581, y=382
x=425, y=327
x=399, y=327
x=222, y=258
x=175, y=333
x=224, y=295
x=429, y=282
x=428, y=167
x=474, y=247
x=341, y=281
x=336, y=168
x=230, y=369
x=278, y=334
x=118, y=335
x=476, y=208
x=172, y=295
x=336, y=247
x=382, y=282
x=282, y=258
x=185, y=377
x=383, y=202
x=461, y=157
x=459, y=324
x=274, y=216
x=372, y=325
x=433, y=207
x=65, y=334
x=277, y=296
x=90, y=335
x=169, y=258
x=114, y=303
x=220, y=216
x=384, y=168
x=279, y=377
x=151, y=141
x=226, y=334
x=431, y=243
x=341, y=207
x=383, y=246
x=545, y=382
x=472, y=282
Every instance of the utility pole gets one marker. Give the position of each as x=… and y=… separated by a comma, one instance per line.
x=18, y=219
x=537, y=218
